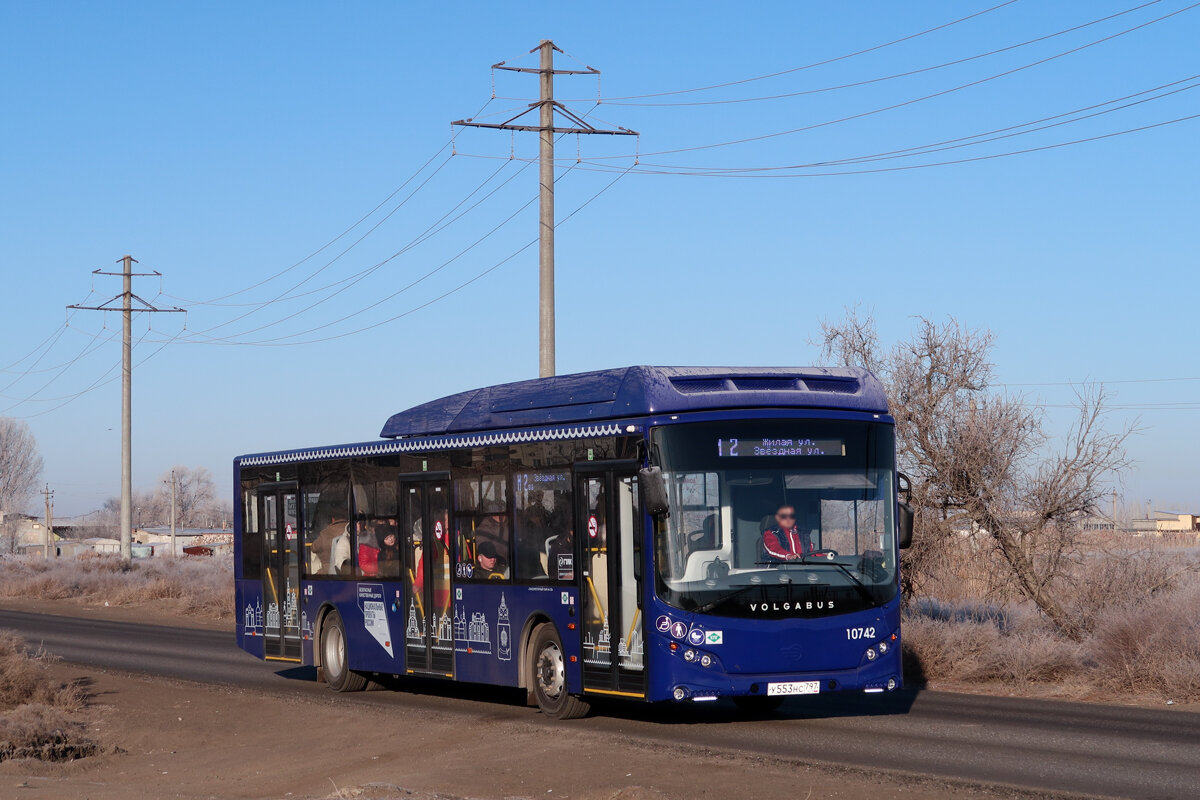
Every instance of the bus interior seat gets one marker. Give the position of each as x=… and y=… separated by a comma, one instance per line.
x=706, y=537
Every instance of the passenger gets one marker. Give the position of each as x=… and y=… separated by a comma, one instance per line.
x=368, y=553
x=532, y=532
x=389, y=550
x=320, y=554
x=340, y=554
x=489, y=563
x=492, y=529
x=783, y=541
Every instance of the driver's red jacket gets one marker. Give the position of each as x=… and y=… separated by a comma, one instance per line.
x=779, y=543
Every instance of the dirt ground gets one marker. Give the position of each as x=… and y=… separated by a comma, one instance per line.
x=170, y=739
x=165, y=613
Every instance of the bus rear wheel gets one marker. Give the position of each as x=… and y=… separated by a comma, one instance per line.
x=338, y=675
x=548, y=673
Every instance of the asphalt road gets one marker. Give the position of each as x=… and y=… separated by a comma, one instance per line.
x=1052, y=746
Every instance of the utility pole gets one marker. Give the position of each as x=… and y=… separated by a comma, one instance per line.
x=546, y=357
x=172, y=513
x=127, y=310
x=546, y=129
x=48, y=538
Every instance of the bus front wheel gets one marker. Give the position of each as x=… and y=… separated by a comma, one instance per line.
x=338, y=675
x=549, y=674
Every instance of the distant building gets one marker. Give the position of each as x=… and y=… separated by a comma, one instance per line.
x=1174, y=522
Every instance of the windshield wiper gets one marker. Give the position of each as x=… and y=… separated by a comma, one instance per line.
x=724, y=599
x=859, y=585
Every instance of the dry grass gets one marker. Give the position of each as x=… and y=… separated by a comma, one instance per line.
x=1139, y=611
x=37, y=713
x=199, y=586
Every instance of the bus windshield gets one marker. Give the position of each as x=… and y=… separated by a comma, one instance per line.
x=777, y=518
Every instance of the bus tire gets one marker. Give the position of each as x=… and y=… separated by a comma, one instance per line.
x=338, y=675
x=549, y=676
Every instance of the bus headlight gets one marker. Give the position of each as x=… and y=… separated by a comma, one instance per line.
x=706, y=660
x=689, y=655
x=871, y=654
x=680, y=693
x=883, y=648
x=891, y=684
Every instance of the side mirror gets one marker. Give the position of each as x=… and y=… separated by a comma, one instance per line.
x=906, y=525
x=905, y=487
x=653, y=490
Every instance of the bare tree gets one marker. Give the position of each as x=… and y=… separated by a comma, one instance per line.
x=195, y=494
x=981, y=462
x=196, y=503
x=20, y=465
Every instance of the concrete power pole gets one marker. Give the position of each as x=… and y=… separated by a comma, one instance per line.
x=546, y=360
x=127, y=310
x=546, y=130
x=48, y=538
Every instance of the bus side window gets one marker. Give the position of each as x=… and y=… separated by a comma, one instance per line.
x=326, y=522
x=543, y=525
x=377, y=550
x=482, y=530
x=251, y=538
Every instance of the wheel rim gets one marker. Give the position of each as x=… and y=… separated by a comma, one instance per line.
x=551, y=676
x=335, y=651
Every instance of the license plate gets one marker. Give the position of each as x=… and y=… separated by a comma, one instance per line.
x=796, y=687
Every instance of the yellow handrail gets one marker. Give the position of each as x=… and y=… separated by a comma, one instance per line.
x=596, y=597
x=632, y=625
x=416, y=595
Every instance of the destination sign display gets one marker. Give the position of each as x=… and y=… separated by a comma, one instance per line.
x=779, y=447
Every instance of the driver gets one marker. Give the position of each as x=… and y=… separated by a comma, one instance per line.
x=783, y=541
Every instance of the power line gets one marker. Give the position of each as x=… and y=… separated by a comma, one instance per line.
x=348, y=282
x=332, y=241
x=329, y=263
x=546, y=128
x=55, y=334
x=456, y=289
x=419, y=239
x=592, y=166
x=432, y=230
x=127, y=309
x=88, y=348
x=821, y=63
x=893, y=76
x=965, y=141
x=1101, y=382
x=103, y=380
x=911, y=101
x=410, y=285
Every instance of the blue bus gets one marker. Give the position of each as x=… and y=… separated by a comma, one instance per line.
x=651, y=533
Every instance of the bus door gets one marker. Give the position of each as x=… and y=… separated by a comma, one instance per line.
x=425, y=526
x=608, y=521
x=277, y=507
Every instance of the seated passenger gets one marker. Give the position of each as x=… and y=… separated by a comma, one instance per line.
x=489, y=563
x=339, y=556
x=389, y=550
x=368, y=560
x=783, y=541
x=368, y=553
x=321, y=552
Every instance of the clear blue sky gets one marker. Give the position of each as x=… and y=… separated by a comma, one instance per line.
x=223, y=142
